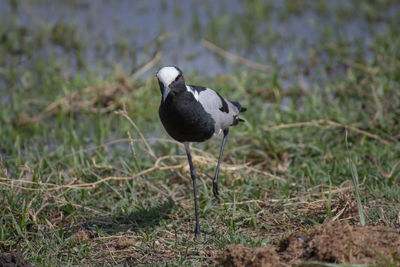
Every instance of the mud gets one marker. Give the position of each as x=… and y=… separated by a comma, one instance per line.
x=13, y=260
x=334, y=242
x=240, y=255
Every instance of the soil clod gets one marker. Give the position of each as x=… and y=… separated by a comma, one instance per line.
x=13, y=260
x=333, y=242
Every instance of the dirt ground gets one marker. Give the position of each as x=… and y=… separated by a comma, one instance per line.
x=13, y=260
x=334, y=242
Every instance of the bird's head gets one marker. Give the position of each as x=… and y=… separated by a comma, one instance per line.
x=170, y=79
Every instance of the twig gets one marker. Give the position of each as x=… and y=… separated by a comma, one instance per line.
x=155, y=58
x=235, y=58
x=124, y=114
x=273, y=200
x=53, y=187
x=337, y=216
x=63, y=202
x=353, y=64
x=331, y=123
x=80, y=100
x=270, y=175
x=111, y=254
x=359, y=66
x=139, y=72
x=35, y=18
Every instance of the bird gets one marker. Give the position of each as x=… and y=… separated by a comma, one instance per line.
x=191, y=113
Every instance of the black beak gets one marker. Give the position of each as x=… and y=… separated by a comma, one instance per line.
x=165, y=93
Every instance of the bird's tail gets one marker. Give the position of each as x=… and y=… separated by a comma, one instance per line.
x=241, y=109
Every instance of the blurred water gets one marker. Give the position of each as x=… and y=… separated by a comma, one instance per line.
x=120, y=31
x=102, y=24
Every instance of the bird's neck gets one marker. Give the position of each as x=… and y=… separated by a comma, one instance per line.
x=179, y=88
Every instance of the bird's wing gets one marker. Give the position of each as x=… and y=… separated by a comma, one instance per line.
x=221, y=110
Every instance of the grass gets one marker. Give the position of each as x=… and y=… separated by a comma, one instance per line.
x=81, y=184
x=354, y=176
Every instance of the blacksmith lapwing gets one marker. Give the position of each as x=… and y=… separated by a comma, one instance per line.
x=192, y=113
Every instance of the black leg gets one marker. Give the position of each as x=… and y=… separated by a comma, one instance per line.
x=193, y=175
x=215, y=180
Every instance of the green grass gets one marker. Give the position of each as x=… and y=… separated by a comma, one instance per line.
x=74, y=166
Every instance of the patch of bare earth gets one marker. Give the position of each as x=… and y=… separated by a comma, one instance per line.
x=333, y=242
x=13, y=260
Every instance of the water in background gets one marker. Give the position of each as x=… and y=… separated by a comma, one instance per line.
x=281, y=34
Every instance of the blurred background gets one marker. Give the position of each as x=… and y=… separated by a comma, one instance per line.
x=89, y=176
x=294, y=38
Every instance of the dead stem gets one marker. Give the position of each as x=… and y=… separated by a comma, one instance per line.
x=235, y=58
x=124, y=114
x=85, y=99
x=318, y=123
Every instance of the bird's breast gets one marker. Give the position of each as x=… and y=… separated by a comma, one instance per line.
x=185, y=119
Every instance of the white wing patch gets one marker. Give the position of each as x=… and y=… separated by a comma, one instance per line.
x=194, y=92
x=167, y=75
x=212, y=104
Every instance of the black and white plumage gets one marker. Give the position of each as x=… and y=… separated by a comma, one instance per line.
x=194, y=114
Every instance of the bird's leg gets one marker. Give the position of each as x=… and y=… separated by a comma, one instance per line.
x=193, y=175
x=215, y=180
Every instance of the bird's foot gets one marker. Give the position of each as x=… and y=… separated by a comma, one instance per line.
x=215, y=186
x=198, y=230
x=215, y=189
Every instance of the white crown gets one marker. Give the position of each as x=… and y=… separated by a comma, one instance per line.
x=167, y=75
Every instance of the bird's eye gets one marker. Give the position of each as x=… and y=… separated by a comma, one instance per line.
x=177, y=78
